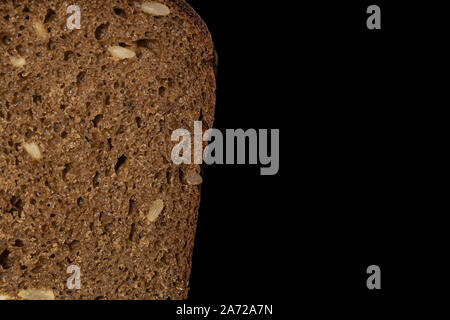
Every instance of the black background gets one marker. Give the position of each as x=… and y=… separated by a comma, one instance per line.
x=238, y=250
x=351, y=106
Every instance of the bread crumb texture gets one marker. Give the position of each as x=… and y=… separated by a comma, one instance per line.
x=86, y=176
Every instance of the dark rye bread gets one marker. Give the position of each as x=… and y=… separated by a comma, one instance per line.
x=86, y=176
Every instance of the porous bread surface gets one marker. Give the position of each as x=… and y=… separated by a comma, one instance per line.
x=86, y=176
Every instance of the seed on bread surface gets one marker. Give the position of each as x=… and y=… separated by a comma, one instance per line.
x=194, y=180
x=36, y=294
x=155, y=210
x=18, y=62
x=33, y=150
x=40, y=30
x=155, y=8
x=120, y=53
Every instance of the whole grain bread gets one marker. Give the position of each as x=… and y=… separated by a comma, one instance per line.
x=86, y=176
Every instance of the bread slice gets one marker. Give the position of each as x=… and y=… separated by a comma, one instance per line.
x=86, y=176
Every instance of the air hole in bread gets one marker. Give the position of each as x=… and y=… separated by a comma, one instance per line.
x=121, y=13
x=81, y=77
x=18, y=243
x=120, y=162
x=66, y=170
x=143, y=43
x=69, y=56
x=51, y=45
x=89, y=141
x=97, y=120
x=170, y=82
x=4, y=261
x=95, y=182
x=37, y=99
x=6, y=40
x=131, y=237
x=50, y=16
x=149, y=44
x=162, y=91
x=132, y=207
x=101, y=31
